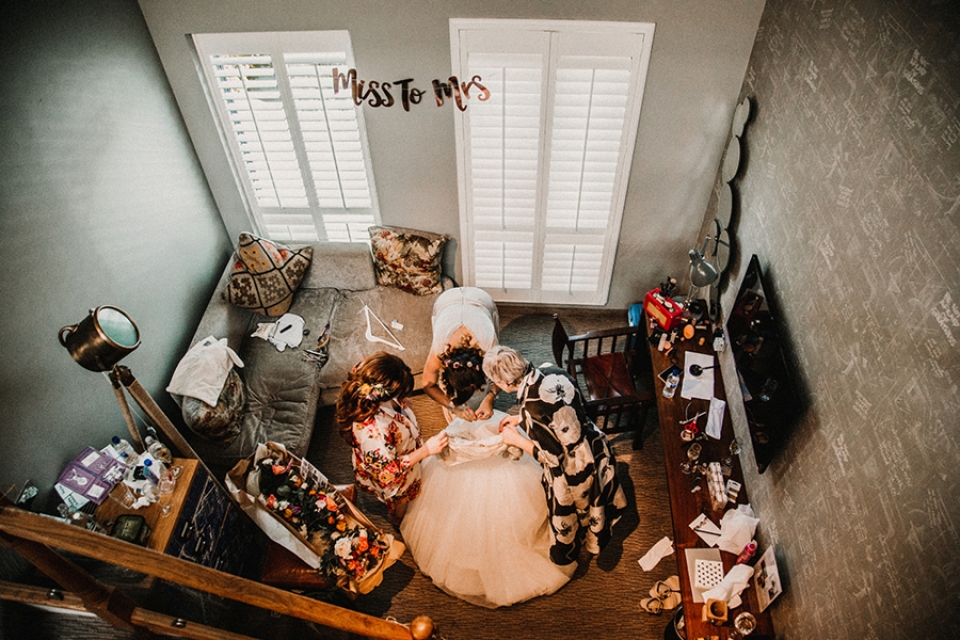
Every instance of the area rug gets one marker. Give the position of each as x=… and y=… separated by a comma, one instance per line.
x=603, y=599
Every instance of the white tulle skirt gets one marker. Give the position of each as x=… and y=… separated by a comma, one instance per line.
x=479, y=531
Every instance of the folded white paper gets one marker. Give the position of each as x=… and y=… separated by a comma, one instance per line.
x=662, y=549
x=715, y=418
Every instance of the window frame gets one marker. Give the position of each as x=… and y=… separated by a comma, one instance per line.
x=276, y=44
x=496, y=28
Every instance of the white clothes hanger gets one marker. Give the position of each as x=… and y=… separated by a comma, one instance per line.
x=372, y=338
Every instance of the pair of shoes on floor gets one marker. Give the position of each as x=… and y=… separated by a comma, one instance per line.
x=665, y=594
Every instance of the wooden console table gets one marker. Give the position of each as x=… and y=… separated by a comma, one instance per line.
x=685, y=505
x=204, y=526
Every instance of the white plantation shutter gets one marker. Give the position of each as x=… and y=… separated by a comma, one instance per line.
x=299, y=148
x=544, y=162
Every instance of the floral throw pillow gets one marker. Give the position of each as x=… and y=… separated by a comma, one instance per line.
x=408, y=259
x=266, y=274
x=220, y=423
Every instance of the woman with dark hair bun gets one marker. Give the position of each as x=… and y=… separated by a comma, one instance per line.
x=376, y=421
x=466, y=324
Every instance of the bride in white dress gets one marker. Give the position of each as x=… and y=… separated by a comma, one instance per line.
x=479, y=528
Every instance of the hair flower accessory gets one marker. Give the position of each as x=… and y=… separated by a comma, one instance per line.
x=374, y=392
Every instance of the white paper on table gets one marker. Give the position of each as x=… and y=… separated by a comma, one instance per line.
x=697, y=386
x=706, y=529
x=693, y=554
x=715, y=418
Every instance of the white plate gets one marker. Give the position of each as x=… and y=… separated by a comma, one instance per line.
x=725, y=206
x=740, y=117
x=731, y=161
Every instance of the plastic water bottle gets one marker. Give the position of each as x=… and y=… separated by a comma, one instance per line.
x=157, y=449
x=123, y=448
x=153, y=470
x=670, y=387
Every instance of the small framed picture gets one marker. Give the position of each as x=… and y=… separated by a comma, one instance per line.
x=766, y=578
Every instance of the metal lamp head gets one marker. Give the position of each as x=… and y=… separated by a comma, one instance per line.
x=702, y=273
x=102, y=339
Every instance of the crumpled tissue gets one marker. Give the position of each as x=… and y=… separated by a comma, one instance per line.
x=736, y=580
x=737, y=527
x=663, y=548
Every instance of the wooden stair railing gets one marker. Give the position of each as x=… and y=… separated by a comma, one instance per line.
x=158, y=623
x=34, y=536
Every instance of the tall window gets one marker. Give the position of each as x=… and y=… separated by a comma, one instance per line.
x=544, y=162
x=298, y=148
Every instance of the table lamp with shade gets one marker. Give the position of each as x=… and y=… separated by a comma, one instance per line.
x=98, y=343
x=702, y=275
x=707, y=264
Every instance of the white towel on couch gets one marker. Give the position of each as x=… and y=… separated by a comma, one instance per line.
x=203, y=370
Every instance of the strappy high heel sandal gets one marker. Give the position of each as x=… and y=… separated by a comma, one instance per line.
x=665, y=594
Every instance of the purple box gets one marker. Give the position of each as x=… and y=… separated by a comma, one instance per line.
x=92, y=475
x=85, y=483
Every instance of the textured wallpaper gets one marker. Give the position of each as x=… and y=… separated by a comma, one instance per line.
x=849, y=193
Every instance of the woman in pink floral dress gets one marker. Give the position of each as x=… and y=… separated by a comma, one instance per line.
x=382, y=431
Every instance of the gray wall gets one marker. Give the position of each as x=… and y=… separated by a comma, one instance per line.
x=700, y=51
x=102, y=201
x=850, y=196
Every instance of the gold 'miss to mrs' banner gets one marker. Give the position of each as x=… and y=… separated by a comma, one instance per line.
x=381, y=94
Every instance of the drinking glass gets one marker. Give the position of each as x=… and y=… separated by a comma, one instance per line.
x=734, y=450
x=123, y=496
x=743, y=625
x=165, y=488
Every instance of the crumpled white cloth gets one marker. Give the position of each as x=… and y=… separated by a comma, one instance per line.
x=203, y=370
x=285, y=332
x=476, y=440
x=736, y=580
x=737, y=527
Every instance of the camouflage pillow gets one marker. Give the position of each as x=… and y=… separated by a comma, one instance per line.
x=222, y=422
x=408, y=259
x=266, y=275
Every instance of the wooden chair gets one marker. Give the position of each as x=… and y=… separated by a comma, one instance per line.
x=606, y=365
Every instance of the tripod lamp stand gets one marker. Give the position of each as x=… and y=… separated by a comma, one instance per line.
x=98, y=343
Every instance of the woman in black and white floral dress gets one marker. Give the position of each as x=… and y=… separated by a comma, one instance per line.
x=584, y=496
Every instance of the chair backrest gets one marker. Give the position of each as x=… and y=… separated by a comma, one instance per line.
x=615, y=405
x=569, y=352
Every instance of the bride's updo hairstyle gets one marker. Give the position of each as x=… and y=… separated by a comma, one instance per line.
x=462, y=373
x=373, y=380
x=503, y=364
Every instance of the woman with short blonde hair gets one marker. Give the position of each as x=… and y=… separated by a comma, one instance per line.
x=584, y=496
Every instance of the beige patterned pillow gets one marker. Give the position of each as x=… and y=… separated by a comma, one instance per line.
x=266, y=275
x=408, y=259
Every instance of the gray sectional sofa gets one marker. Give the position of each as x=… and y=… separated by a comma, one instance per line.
x=283, y=389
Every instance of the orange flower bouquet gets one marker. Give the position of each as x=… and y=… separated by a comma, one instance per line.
x=317, y=523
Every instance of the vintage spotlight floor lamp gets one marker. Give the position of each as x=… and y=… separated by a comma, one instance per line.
x=98, y=343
